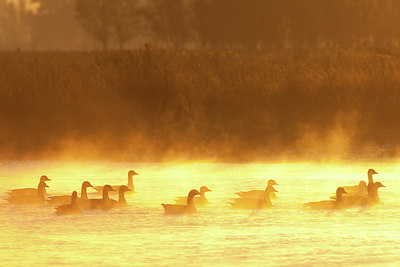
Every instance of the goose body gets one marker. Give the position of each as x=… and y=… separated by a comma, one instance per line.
x=359, y=189
x=369, y=199
x=121, y=203
x=130, y=185
x=37, y=198
x=253, y=203
x=66, y=199
x=257, y=194
x=362, y=187
x=201, y=200
x=330, y=204
x=189, y=208
x=70, y=209
x=104, y=203
x=29, y=191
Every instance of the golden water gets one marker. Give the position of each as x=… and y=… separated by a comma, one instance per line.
x=286, y=234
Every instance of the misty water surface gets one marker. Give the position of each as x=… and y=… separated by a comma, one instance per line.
x=286, y=234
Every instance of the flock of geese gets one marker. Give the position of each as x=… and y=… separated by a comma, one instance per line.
x=345, y=197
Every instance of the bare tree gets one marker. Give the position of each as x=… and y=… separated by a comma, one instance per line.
x=97, y=18
x=169, y=20
x=126, y=21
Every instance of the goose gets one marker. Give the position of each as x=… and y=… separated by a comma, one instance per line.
x=66, y=199
x=37, y=198
x=131, y=173
x=121, y=197
x=104, y=203
x=330, y=204
x=29, y=191
x=201, y=200
x=69, y=209
x=373, y=197
x=354, y=191
x=257, y=194
x=189, y=208
x=254, y=203
x=362, y=187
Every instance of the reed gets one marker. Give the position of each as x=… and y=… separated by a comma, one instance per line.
x=161, y=105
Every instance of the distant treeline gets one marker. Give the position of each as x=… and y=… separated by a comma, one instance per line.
x=158, y=104
x=213, y=24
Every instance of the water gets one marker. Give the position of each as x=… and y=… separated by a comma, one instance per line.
x=286, y=234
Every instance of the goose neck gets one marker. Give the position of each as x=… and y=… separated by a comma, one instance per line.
x=121, y=197
x=84, y=192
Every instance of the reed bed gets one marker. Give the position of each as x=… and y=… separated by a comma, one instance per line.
x=157, y=105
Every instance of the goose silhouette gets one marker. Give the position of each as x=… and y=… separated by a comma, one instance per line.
x=257, y=194
x=69, y=209
x=330, y=204
x=37, y=198
x=121, y=197
x=104, y=203
x=189, y=208
x=130, y=185
x=201, y=200
x=66, y=199
x=362, y=187
x=254, y=203
x=30, y=191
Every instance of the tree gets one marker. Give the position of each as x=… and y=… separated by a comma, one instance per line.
x=169, y=21
x=97, y=18
x=126, y=20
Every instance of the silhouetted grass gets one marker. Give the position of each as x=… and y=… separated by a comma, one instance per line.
x=158, y=104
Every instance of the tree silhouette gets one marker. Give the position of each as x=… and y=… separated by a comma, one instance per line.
x=97, y=18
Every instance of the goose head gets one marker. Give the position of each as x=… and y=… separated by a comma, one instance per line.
x=362, y=184
x=340, y=191
x=204, y=189
x=131, y=173
x=107, y=188
x=44, y=178
x=87, y=184
x=270, y=188
x=124, y=188
x=272, y=182
x=379, y=184
x=372, y=171
x=74, y=195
